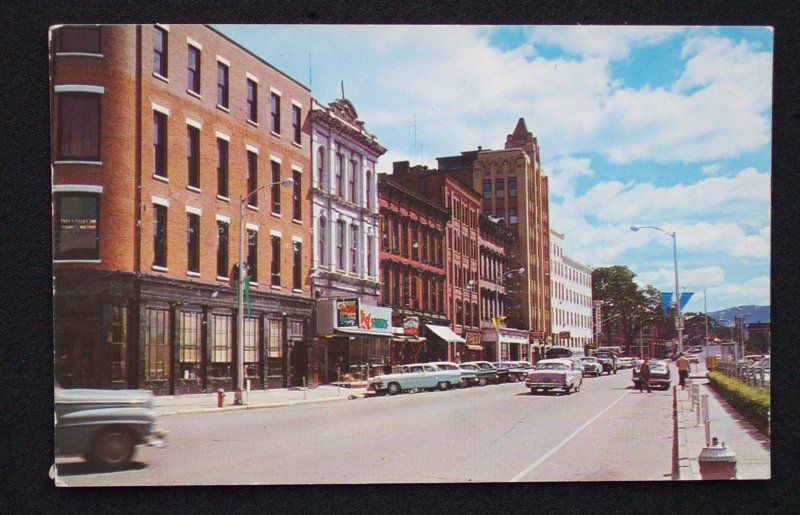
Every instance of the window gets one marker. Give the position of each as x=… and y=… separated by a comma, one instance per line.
x=159, y=144
x=297, y=204
x=252, y=100
x=159, y=235
x=222, y=167
x=415, y=242
x=193, y=242
x=81, y=40
x=500, y=186
x=193, y=70
x=385, y=283
x=160, y=51
x=275, y=265
x=395, y=235
x=250, y=340
x=79, y=126
x=339, y=171
x=156, y=344
x=396, y=287
x=76, y=228
x=512, y=188
x=275, y=339
x=320, y=166
x=222, y=249
x=222, y=85
x=297, y=264
x=487, y=189
x=384, y=234
x=221, y=345
x=276, y=187
x=352, y=181
x=323, y=258
x=252, y=178
x=340, y=244
x=369, y=189
x=512, y=215
x=501, y=212
x=404, y=236
x=193, y=155
x=275, y=106
x=252, y=254
x=353, y=247
x=189, y=337
x=296, y=123
x=370, y=265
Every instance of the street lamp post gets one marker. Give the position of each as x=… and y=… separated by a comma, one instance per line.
x=497, y=304
x=240, y=288
x=678, y=318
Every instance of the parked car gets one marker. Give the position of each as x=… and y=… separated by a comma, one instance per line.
x=517, y=370
x=608, y=360
x=592, y=366
x=490, y=373
x=555, y=374
x=466, y=377
x=577, y=362
x=761, y=369
x=659, y=375
x=415, y=376
x=105, y=426
x=624, y=362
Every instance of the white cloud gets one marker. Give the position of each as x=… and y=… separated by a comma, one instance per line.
x=711, y=169
x=563, y=172
x=753, y=291
x=612, y=42
x=664, y=277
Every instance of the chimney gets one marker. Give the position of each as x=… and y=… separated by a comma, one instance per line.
x=400, y=167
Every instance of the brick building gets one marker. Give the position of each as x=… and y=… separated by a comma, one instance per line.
x=157, y=131
x=514, y=187
x=461, y=251
x=412, y=268
x=571, y=284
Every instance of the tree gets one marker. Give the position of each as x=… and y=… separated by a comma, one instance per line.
x=625, y=306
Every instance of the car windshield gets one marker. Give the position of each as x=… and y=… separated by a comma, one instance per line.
x=485, y=366
x=551, y=366
x=657, y=365
x=469, y=367
x=588, y=360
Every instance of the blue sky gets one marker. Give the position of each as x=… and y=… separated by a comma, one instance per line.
x=661, y=126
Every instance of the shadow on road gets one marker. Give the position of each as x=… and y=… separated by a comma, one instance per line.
x=84, y=468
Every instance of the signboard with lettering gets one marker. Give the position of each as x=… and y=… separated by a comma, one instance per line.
x=347, y=313
x=537, y=334
x=472, y=337
x=411, y=326
x=563, y=334
x=375, y=318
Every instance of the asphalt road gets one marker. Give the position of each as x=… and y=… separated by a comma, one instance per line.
x=605, y=432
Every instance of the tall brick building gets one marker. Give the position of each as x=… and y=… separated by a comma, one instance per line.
x=514, y=187
x=157, y=131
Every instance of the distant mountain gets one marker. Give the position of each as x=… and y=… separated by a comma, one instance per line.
x=753, y=314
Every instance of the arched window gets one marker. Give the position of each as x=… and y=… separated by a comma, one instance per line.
x=320, y=167
x=322, y=226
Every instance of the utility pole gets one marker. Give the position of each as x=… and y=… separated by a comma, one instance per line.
x=705, y=309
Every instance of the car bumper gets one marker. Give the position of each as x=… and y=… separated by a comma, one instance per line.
x=537, y=384
x=655, y=381
x=157, y=438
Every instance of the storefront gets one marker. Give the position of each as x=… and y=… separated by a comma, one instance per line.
x=472, y=350
x=353, y=341
x=444, y=343
x=506, y=344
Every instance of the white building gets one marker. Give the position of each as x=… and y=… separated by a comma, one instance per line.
x=571, y=287
x=345, y=204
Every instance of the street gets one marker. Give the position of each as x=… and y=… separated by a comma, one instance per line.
x=607, y=431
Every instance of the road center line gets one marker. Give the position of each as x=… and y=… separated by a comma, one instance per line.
x=565, y=441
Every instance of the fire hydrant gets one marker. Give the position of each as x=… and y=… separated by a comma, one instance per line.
x=220, y=397
x=717, y=461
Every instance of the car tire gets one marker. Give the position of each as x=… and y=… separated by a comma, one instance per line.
x=393, y=388
x=464, y=383
x=568, y=389
x=482, y=381
x=578, y=388
x=444, y=385
x=534, y=391
x=112, y=448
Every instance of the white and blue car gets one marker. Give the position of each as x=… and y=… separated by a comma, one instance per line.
x=415, y=376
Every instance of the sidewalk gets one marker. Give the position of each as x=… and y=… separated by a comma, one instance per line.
x=752, y=447
x=273, y=398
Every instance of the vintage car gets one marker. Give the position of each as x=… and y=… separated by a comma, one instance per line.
x=490, y=373
x=624, y=362
x=105, y=426
x=416, y=376
x=519, y=369
x=466, y=377
x=659, y=375
x=609, y=361
x=591, y=366
x=555, y=374
x=509, y=372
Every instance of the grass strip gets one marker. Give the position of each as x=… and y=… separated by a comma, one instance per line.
x=751, y=402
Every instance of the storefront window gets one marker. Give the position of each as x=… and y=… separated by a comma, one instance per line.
x=117, y=338
x=156, y=344
x=275, y=339
x=504, y=351
x=251, y=346
x=221, y=345
x=189, y=338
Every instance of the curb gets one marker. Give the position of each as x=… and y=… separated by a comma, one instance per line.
x=191, y=411
x=687, y=468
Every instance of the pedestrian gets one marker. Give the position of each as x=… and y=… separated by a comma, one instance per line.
x=683, y=369
x=644, y=374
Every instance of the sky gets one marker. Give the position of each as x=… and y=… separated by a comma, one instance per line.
x=651, y=126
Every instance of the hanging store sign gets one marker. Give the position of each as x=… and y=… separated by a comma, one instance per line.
x=375, y=318
x=347, y=313
x=563, y=334
x=472, y=337
x=537, y=334
x=411, y=326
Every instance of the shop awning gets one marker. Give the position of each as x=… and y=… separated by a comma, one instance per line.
x=362, y=332
x=445, y=333
x=475, y=347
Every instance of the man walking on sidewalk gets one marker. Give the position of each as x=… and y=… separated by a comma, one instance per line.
x=683, y=369
x=644, y=374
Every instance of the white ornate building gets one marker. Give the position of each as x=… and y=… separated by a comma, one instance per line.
x=345, y=204
x=571, y=287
